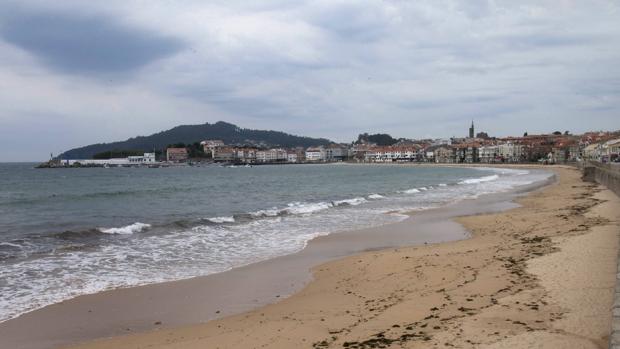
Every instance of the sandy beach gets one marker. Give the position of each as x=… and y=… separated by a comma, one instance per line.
x=540, y=275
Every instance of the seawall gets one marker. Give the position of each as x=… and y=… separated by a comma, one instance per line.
x=609, y=176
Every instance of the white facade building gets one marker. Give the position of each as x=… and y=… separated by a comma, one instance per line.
x=488, y=153
x=271, y=155
x=146, y=159
x=316, y=154
x=510, y=152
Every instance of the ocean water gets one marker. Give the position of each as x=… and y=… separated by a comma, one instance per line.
x=68, y=232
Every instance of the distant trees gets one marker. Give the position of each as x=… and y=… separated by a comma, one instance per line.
x=229, y=133
x=111, y=154
x=381, y=139
x=194, y=150
x=557, y=133
x=482, y=135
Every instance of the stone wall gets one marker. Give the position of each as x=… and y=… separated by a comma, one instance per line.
x=609, y=176
x=605, y=174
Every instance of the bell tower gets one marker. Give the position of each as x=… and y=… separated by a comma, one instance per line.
x=471, y=130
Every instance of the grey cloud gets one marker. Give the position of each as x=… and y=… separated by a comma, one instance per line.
x=84, y=44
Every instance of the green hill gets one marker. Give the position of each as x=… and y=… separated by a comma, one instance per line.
x=188, y=134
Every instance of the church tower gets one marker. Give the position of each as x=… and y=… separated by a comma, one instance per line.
x=471, y=130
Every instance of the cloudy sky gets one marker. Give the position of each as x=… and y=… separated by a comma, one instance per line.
x=77, y=72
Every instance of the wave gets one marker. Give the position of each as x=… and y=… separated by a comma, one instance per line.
x=351, y=202
x=376, y=196
x=443, y=185
x=126, y=230
x=411, y=191
x=479, y=180
x=9, y=244
x=306, y=208
x=230, y=219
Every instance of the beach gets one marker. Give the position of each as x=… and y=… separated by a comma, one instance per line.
x=540, y=275
x=520, y=274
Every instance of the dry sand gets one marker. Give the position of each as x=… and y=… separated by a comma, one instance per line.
x=538, y=276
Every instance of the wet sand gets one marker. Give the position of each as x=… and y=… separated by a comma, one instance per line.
x=524, y=279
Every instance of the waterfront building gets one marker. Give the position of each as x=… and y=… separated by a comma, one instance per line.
x=444, y=154
x=610, y=150
x=147, y=158
x=334, y=152
x=224, y=154
x=271, y=156
x=291, y=157
x=465, y=153
x=592, y=152
x=245, y=154
x=176, y=154
x=316, y=154
x=392, y=154
x=488, y=154
x=510, y=152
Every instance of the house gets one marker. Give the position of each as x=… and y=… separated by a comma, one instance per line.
x=336, y=152
x=224, y=154
x=610, y=150
x=291, y=157
x=176, y=154
x=466, y=153
x=445, y=155
x=316, y=154
x=245, y=154
x=488, y=154
x=271, y=156
x=210, y=144
x=592, y=152
x=510, y=152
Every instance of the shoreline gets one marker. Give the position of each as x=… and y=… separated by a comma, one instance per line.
x=524, y=280
x=101, y=310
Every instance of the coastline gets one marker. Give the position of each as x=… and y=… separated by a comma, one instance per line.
x=121, y=311
x=523, y=280
x=88, y=311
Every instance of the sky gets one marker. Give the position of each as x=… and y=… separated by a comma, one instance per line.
x=75, y=72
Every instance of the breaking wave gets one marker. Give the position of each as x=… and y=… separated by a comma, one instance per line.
x=126, y=230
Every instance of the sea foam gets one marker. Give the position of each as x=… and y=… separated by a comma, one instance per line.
x=126, y=230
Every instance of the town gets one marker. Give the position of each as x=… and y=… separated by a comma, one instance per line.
x=555, y=148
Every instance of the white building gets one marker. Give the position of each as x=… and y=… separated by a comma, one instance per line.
x=336, y=153
x=488, y=153
x=390, y=154
x=210, y=144
x=146, y=159
x=316, y=154
x=610, y=150
x=271, y=155
x=510, y=152
x=291, y=157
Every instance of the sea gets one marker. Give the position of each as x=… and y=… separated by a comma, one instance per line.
x=70, y=232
